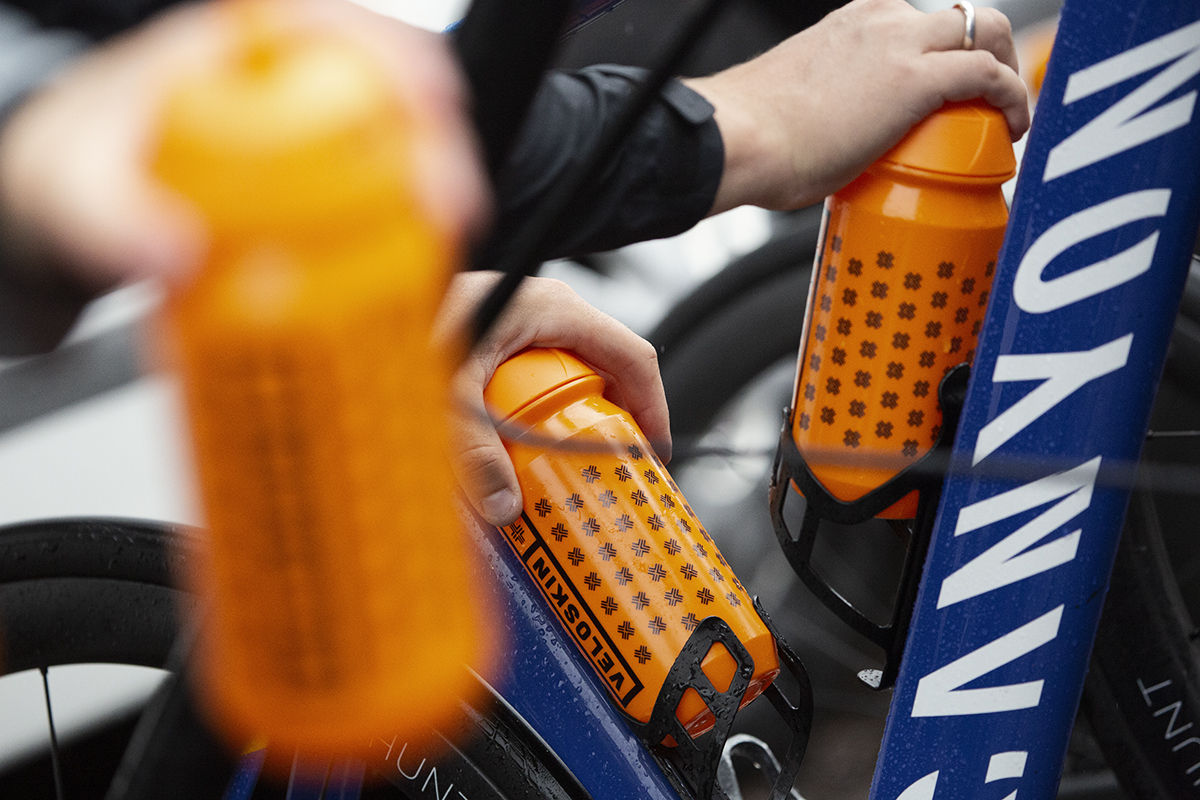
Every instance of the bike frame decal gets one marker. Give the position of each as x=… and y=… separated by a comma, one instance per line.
x=574, y=612
x=1089, y=280
x=551, y=686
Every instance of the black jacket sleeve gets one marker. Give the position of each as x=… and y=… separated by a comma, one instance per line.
x=661, y=183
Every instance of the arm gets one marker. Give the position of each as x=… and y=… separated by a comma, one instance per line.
x=790, y=127
x=804, y=119
x=795, y=125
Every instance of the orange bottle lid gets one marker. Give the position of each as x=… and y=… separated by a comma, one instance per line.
x=970, y=139
x=292, y=130
x=531, y=375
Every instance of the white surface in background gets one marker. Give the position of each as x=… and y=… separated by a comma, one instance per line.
x=698, y=254
x=645, y=280
x=1010, y=186
x=82, y=695
x=117, y=308
x=432, y=14
x=120, y=454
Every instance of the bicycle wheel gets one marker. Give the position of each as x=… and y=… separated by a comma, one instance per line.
x=1143, y=689
x=99, y=591
x=84, y=592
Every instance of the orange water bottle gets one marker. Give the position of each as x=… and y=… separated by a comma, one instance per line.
x=615, y=549
x=898, y=297
x=338, y=598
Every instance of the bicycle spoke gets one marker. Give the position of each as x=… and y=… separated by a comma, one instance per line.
x=54, y=762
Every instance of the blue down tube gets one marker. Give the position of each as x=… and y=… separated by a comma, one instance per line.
x=1071, y=353
x=546, y=680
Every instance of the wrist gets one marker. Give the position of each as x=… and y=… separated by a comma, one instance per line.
x=754, y=172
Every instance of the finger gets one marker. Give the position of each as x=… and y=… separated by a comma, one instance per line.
x=946, y=30
x=967, y=74
x=480, y=462
x=993, y=32
x=627, y=362
x=633, y=381
x=121, y=227
x=543, y=313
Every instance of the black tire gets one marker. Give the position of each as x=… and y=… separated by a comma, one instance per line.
x=789, y=250
x=1144, y=662
x=100, y=591
x=753, y=332
x=83, y=591
x=77, y=592
x=1146, y=658
x=735, y=327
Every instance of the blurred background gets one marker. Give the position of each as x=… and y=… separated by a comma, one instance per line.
x=87, y=432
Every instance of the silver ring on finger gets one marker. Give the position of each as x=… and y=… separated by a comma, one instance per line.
x=968, y=42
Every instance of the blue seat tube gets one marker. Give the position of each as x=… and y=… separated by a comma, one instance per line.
x=1072, y=349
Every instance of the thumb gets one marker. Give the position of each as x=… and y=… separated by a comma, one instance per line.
x=481, y=464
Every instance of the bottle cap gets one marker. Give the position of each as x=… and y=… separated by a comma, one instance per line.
x=529, y=376
x=969, y=139
x=288, y=129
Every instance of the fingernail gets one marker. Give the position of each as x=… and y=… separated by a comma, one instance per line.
x=500, y=508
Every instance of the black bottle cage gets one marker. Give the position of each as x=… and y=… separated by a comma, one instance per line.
x=925, y=475
x=691, y=765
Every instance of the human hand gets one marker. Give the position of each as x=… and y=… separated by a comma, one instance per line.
x=75, y=190
x=804, y=119
x=543, y=313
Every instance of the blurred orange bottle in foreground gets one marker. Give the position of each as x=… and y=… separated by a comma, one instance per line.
x=335, y=572
x=898, y=296
x=612, y=544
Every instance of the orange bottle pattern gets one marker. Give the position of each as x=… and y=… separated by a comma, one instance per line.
x=615, y=549
x=336, y=578
x=898, y=297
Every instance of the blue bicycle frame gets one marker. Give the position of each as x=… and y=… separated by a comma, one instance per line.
x=1072, y=349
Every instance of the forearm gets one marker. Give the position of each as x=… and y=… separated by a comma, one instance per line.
x=805, y=118
x=749, y=174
